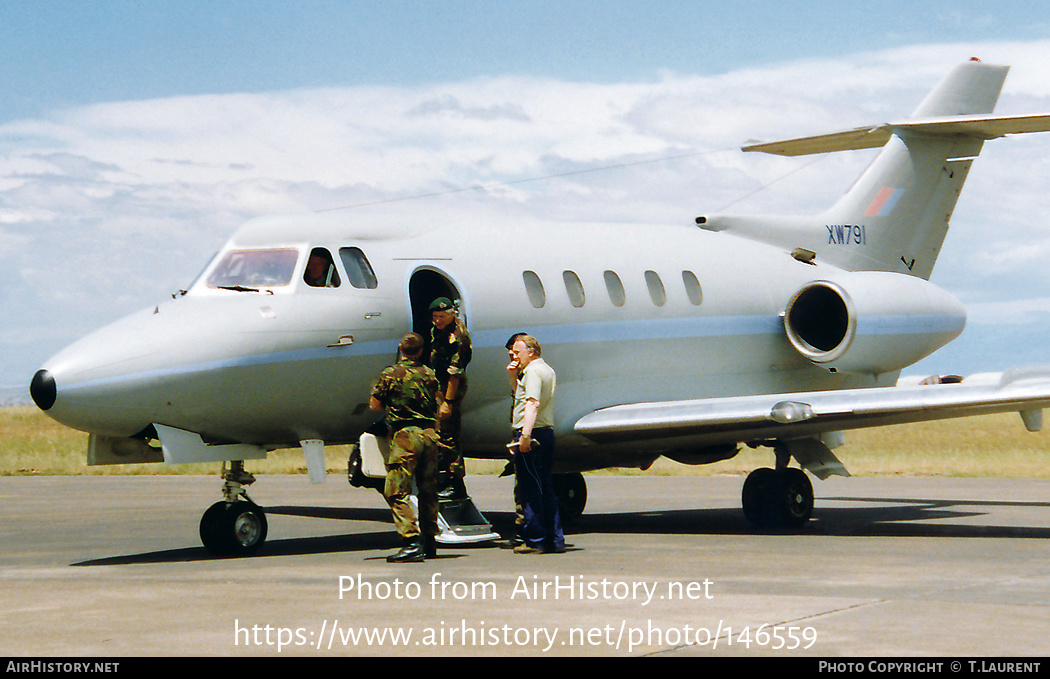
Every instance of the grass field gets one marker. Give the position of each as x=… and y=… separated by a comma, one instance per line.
x=990, y=446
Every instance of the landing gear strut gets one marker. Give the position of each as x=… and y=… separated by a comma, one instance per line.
x=235, y=525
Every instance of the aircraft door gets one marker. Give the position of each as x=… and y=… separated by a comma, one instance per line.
x=424, y=287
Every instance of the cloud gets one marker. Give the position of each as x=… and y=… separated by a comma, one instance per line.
x=449, y=104
x=110, y=207
x=1012, y=312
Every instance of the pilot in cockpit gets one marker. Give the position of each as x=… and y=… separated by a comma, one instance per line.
x=320, y=270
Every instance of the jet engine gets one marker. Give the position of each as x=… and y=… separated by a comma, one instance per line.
x=871, y=322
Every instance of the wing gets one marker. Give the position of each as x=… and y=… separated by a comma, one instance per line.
x=795, y=416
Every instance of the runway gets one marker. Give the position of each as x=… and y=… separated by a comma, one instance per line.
x=658, y=566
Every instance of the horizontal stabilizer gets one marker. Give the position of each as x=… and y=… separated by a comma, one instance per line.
x=796, y=415
x=973, y=126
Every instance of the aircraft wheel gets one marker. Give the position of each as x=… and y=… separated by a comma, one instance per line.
x=210, y=528
x=237, y=529
x=794, y=498
x=756, y=494
x=244, y=524
x=571, y=490
x=777, y=499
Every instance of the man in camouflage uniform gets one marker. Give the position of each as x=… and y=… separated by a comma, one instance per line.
x=450, y=353
x=406, y=393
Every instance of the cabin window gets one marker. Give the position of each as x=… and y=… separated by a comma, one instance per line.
x=574, y=287
x=534, y=288
x=615, y=288
x=250, y=269
x=656, y=288
x=320, y=270
x=358, y=270
x=692, y=288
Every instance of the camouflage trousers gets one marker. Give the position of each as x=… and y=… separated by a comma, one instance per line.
x=413, y=457
x=450, y=460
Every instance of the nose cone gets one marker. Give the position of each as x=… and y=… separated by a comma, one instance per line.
x=87, y=385
x=43, y=390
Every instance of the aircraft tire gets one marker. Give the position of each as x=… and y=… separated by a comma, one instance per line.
x=791, y=501
x=236, y=529
x=571, y=490
x=755, y=496
x=777, y=499
x=210, y=526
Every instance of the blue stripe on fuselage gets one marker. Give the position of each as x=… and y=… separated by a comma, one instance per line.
x=561, y=334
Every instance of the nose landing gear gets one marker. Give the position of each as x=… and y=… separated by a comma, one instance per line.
x=235, y=525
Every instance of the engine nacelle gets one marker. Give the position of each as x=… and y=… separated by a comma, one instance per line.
x=871, y=322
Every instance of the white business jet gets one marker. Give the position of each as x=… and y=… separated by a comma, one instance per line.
x=685, y=341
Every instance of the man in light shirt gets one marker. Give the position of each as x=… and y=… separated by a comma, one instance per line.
x=533, y=422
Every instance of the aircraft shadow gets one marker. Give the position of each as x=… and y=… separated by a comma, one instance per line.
x=385, y=540
x=378, y=514
x=880, y=517
x=350, y=542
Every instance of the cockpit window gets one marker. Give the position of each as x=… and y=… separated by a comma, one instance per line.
x=358, y=270
x=320, y=270
x=254, y=269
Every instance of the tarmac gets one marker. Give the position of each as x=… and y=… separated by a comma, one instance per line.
x=918, y=567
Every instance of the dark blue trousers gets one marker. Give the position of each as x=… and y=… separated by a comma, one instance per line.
x=539, y=504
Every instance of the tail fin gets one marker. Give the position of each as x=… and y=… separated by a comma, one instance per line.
x=895, y=216
x=903, y=201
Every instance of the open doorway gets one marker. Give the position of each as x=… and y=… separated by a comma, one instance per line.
x=424, y=287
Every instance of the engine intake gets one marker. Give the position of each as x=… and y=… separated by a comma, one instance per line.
x=820, y=321
x=870, y=321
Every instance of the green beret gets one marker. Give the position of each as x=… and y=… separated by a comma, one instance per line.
x=442, y=304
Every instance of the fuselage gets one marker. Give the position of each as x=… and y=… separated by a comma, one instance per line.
x=624, y=313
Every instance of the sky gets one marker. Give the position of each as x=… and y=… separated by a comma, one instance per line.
x=136, y=136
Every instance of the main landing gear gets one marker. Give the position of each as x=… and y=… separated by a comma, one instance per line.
x=235, y=525
x=571, y=489
x=778, y=498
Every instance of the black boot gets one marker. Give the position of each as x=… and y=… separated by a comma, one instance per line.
x=453, y=489
x=431, y=547
x=412, y=552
